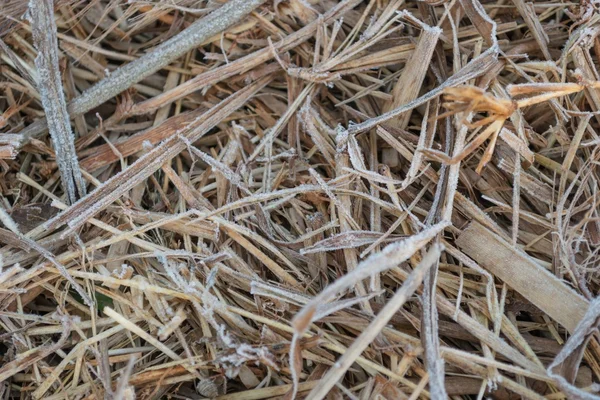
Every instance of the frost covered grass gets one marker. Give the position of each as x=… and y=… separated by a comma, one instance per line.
x=252, y=199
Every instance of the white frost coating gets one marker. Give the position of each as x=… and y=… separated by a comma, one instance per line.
x=481, y=11
x=405, y=14
x=331, y=308
x=211, y=280
x=8, y=222
x=389, y=257
x=9, y=273
x=287, y=154
x=170, y=269
x=43, y=28
x=128, y=75
x=368, y=32
x=56, y=204
x=125, y=269
x=587, y=36
x=356, y=157
x=369, y=334
x=341, y=139
x=345, y=240
x=147, y=145
x=266, y=290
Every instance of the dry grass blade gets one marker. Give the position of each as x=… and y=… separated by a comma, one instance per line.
x=408, y=86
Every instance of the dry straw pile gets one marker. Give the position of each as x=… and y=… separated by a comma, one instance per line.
x=250, y=199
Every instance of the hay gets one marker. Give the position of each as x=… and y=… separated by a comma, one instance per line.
x=253, y=199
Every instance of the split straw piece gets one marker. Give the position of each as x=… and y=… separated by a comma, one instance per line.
x=524, y=275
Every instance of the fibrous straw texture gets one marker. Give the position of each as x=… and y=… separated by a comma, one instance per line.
x=300, y=199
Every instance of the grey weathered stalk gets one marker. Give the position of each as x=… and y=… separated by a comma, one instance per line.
x=43, y=27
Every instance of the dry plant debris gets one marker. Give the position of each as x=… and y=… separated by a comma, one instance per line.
x=341, y=199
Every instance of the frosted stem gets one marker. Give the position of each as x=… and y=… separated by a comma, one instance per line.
x=43, y=27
